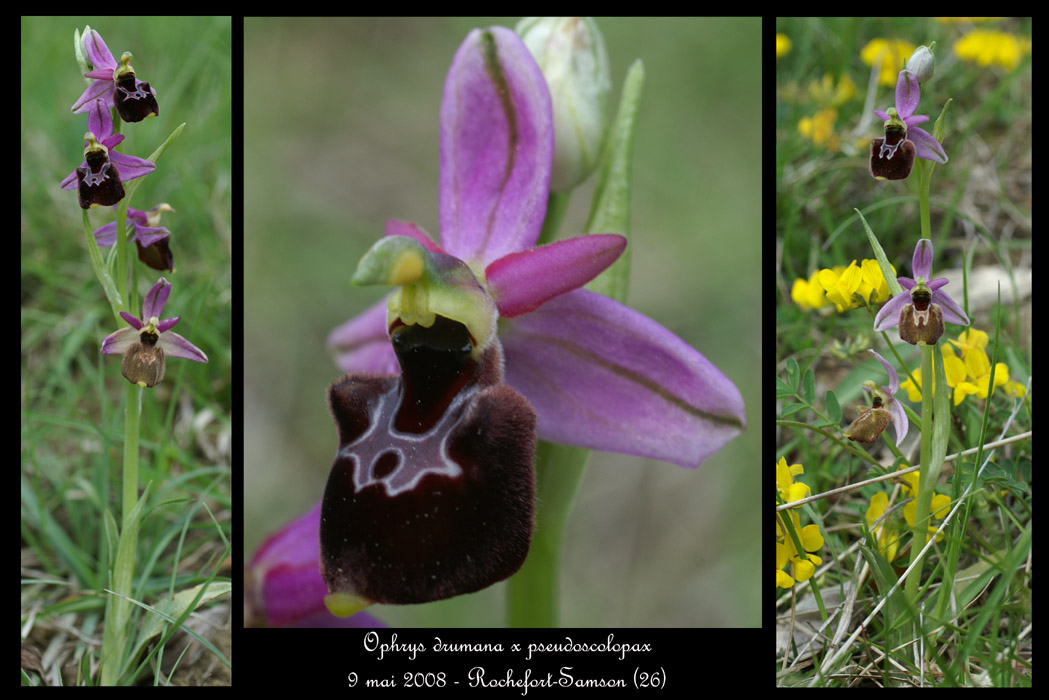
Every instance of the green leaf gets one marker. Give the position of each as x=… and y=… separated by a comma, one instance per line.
x=883, y=262
x=792, y=374
x=112, y=537
x=114, y=636
x=108, y=285
x=833, y=407
x=154, y=156
x=168, y=610
x=791, y=409
x=809, y=386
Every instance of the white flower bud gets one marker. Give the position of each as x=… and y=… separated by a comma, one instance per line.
x=571, y=53
x=922, y=62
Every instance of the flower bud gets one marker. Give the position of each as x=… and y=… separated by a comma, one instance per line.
x=922, y=62
x=571, y=53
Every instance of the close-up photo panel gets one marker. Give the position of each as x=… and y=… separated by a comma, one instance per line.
x=502, y=323
x=903, y=426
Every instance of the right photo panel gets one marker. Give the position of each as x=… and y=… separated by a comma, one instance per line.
x=903, y=351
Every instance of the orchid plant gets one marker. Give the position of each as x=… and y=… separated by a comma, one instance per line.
x=488, y=343
x=908, y=538
x=107, y=177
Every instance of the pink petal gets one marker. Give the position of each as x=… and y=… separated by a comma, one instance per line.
x=604, y=376
x=521, y=282
x=497, y=144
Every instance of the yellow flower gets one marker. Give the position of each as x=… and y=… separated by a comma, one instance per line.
x=819, y=128
x=988, y=47
x=970, y=374
x=824, y=92
x=939, y=507
x=808, y=294
x=874, y=288
x=788, y=490
x=893, y=54
x=842, y=287
x=803, y=563
x=977, y=368
x=782, y=45
x=888, y=540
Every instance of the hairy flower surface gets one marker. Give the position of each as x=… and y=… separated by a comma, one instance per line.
x=872, y=421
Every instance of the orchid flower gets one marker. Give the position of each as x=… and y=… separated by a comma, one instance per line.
x=149, y=340
x=152, y=239
x=98, y=179
x=903, y=139
x=872, y=421
x=115, y=83
x=920, y=315
x=432, y=490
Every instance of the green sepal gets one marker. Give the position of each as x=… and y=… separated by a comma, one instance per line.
x=610, y=206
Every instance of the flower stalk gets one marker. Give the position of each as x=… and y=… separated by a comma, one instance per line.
x=924, y=493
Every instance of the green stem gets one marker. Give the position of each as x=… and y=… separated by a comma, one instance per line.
x=925, y=491
x=924, y=179
x=132, y=412
x=533, y=593
x=556, y=206
x=116, y=638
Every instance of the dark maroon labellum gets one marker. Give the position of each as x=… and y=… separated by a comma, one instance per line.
x=98, y=183
x=133, y=99
x=158, y=256
x=896, y=167
x=921, y=298
x=433, y=487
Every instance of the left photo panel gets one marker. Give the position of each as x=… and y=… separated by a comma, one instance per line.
x=126, y=368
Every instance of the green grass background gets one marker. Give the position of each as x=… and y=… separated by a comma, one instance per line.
x=341, y=133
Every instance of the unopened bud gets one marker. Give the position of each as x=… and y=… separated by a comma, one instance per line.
x=571, y=53
x=922, y=62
